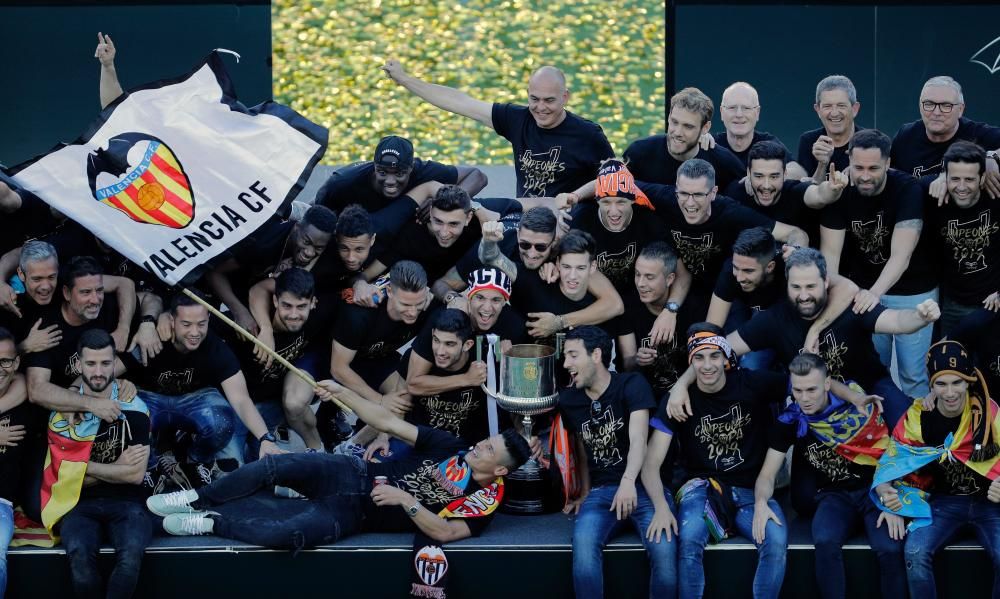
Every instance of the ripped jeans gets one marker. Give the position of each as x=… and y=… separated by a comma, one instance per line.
x=335, y=487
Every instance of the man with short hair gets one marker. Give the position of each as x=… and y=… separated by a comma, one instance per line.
x=110, y=503
x=740, y=111
x=608, y=413
x=879, y=219
x=918, y=147
x=416, y=496
x=839, y=444
x=965, y=233
x=381, y=184
x=836, y=106
x=658, y=158
x=722, y=447
x=15, y=424
x=554, y=149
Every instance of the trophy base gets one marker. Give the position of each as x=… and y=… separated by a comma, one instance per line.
x=527, y=488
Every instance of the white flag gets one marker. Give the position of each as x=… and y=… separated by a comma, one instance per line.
x=178, y=171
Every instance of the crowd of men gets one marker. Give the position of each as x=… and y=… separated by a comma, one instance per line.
x=717, y=302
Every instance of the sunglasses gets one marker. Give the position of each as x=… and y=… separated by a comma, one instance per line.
x=539, y=247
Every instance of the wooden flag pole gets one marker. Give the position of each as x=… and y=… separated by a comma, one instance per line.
x=252, y=338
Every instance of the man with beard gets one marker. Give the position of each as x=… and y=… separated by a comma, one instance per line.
x=919, y=146
x=655, y=275
x=845, y=339
x=274, y=247
x=836, y=106
x=608, y=413
x=299, y=330
x=839, y=444
x=110, y=504
x=195, y=385
x=767, y=190
x=658, y=158
x=965, y=235
x=621, y=228
x=554, y=149
x=879, y=219
x=380, y=186
x=722, y=448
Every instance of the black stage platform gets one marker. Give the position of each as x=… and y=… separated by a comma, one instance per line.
x=518, y=556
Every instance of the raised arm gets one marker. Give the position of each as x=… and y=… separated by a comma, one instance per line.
x=373, y=414
x=471, y=179
x=790, y=234
x=827, y=192
x=903, y=322
x=105, y=53
x=445, y=98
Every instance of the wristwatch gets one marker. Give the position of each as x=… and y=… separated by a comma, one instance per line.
x=148, y=318
x=672, y=307
x=413, y=509
x=268, y=436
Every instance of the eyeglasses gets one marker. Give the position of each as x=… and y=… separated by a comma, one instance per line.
x=737, y=108
x=7, y=362
x=595, y=409
x=539, y=247
x=944, y=107
x=684, y=195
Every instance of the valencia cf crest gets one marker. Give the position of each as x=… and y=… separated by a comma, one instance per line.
x=431, y=564
x=139, y=175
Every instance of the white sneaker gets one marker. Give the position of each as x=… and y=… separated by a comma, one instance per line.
x=178, y=502
x=183, y=525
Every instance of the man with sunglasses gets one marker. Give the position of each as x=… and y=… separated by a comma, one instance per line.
x=608, y=413
x=919, y=147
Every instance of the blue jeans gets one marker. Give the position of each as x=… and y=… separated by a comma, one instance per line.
x=838, y=514
x=335, y=487
x=6, y=534
x=951, y=513
x=596, y=525
x=130, y=529
x=911, y=349
x=694, y=537
x=207, y=415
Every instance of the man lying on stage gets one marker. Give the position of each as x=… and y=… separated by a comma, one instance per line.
x=446, y=491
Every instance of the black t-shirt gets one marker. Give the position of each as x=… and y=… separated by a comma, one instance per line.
x=418, y=473
x=726, y=437
x=535, y=295
x=10, y=456
x=172, y=372
x=704, y=247
x=761, y=298
x=461, y=412
x=32, y=220
x=869, y=224
x=831, y=470
x=949, y=477
x=353, y=185
x=111, y=440
x=31, y=311
x=62, y=360
x=605, y=433
x=913, y=153
x=416, y=242
x=509, y=326
x=790, y=208
x=649, y=161
x=371, y=333
x=967, y=244
x=259, y=254
x=808, y=161
x=722, y=140
x=979, y=332
x=550, y=161
x=846, y=345
x=617, y=252
x=671, y=356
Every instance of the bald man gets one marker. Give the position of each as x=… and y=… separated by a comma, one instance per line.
x=555, y=151
x=740, y=111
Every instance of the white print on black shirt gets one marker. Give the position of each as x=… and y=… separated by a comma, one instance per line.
x=922, y=171
x=174, y=383
x=721, y=436
x=663, y=368
x=695, y=251
x=375, y=350
x=290, y=352
x=4, y=424
x=968, y=240
x=449, y=415
x=825, y=459
x=833, y=353
x=870, y=235
x=960, y=478
x=617, y=267
x=600, y=438
x=423, y=485
x=540, y=169
x=72, y=366
x=107, y=448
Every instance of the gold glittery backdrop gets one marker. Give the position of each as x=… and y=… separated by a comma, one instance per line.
x=327, y=56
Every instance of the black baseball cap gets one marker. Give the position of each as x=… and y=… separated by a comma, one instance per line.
x=395, y=152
